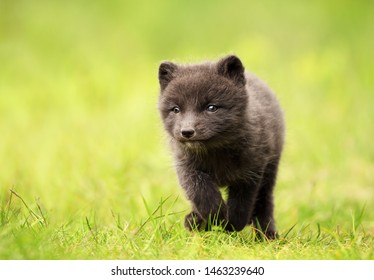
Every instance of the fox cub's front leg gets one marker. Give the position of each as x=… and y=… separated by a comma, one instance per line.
x=208, y=206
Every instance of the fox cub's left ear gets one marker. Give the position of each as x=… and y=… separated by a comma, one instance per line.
x=231, y=67
x=166, y=72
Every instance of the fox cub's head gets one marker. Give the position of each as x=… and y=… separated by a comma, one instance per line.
x=203, y=104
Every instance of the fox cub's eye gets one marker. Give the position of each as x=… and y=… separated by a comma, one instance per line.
x=211, y=108
x=175, y=109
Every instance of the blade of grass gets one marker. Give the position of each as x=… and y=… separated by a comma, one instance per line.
x=32, y=213
x=150, y=216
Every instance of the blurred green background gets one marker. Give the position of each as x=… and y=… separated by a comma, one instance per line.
x=79, y=128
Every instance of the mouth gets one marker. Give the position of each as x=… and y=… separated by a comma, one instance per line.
x=190, y=142
x=184, y=140
x=195, y=146
x=193, y=143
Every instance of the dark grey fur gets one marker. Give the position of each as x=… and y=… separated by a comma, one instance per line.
x=226, y=130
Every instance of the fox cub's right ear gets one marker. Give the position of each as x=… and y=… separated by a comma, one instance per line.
x=166, y=72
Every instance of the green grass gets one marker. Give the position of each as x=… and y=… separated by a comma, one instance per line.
x=161, y=236
x=85, y=172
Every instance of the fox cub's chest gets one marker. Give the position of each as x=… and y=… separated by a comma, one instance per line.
x=224, y=167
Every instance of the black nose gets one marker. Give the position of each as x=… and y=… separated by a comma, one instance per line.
x=188, y=132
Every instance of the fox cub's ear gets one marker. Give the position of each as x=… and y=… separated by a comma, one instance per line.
x=231, y=67
x=166, y=72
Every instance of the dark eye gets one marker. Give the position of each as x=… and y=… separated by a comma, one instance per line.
x=211, y=108
x=175, y=109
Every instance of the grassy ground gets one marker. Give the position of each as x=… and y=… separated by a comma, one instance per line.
x=84, y=168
